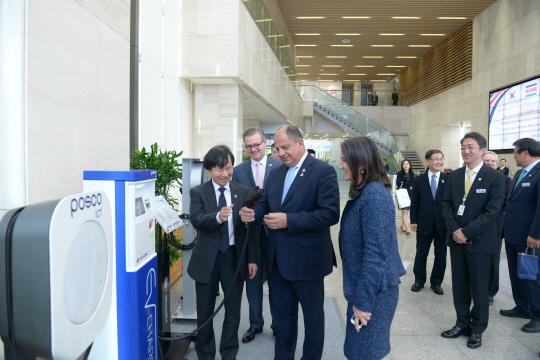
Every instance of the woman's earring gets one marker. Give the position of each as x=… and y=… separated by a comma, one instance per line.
x=362, y=171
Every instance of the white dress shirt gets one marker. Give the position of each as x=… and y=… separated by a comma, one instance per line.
x=530, y=167
x=476, y=170
x=263, y=167
x=298, y=166
x=227, y=194
x=437, y=176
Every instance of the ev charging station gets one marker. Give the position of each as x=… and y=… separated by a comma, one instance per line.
x=132, y=325
x=55, y=277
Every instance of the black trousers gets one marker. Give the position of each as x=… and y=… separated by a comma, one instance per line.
x=526, y=293
x=223, y=272
x=470, y=271
x=423, y=244
x=285, y=296
x=494, y=272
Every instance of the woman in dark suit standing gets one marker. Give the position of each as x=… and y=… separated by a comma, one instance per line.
x=405, y=181
x=369, y=251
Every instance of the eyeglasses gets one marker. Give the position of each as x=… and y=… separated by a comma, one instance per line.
x=470, y=148
x=254, y=146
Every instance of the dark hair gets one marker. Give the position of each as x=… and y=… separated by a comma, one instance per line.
x=503, y=159
x=384, y=159
x=311, y=151
x=253, y=131
x=272, y=147
x=532, y=146
x=218, y=156
x=432, y=152
x=293, y=133
x=362, y=151
x=482, y=142
x=411, y=172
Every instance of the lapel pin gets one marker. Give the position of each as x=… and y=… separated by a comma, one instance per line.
x=442, y=181
x=235, y=196
x=304, y=170
x=269, y=164
x=479, y=179
x=302, y=174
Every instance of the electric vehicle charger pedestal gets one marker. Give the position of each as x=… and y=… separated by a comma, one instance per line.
x=131, y=330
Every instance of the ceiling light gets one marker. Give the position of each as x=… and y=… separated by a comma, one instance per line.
x=432, y=34
x=307, y=34
x=378, y=80
x=263, y=20
x=351, y=80
x=304, y=45
x=419, y=45
x=382, y=45
x=306, y=57
x=284, y=46
x=336, y=57
x=310, y=17
x=303, y=73
x=395, y=66
x=357, y=74
x=345, y=41
x=372, y=57
x=364, y=66
x=274, y=35
x=452, y=18
x=342, y=45
x=386, y=74
x=326, y=80
x=352, y=34
x=342, y=69
x=356, y=17
x=391, y=34
x=302, y=65
x=405, y=17
x=328, y=74
x=406, y=57
x=331, y=66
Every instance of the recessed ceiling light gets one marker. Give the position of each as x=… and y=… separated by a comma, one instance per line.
x=305, y=57
x=342, y=45
x=332, y=66
x=451, y=18
x=395, y=66
x=307, y=34
x=326, y=80
x=405, y=17
x=342, y=69
x=310, y=17
x=419, y=45
x=271, y=36
x=304, y=45
x=356, y=17
x=302, y=65
x=262, y=20
x=284, y=46
x=303, y=73
x=336, y=57
x=349, y=34
x=378, y=80
x=391, y=34
x=386, y=74
x=382, y=45
x=357, y=74
x=406, y=57
x=352, y=81
x=372, y=57
x=432, y=34
x=364, y=66
x=328, y=74
x=345, y=41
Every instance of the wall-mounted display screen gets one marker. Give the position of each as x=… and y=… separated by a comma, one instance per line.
x=139, y=207
x=513, y=114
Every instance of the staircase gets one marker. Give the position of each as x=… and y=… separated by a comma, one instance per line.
x=416, y=163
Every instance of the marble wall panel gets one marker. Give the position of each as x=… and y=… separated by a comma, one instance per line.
x=113, y=13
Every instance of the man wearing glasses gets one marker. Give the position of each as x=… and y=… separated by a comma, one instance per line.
x=251, y=173
x=473, y=201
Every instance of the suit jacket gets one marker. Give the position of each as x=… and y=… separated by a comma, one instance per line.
x=387, y=168
x=500, y=218
x=203, y=210
x=406, y=184
x=424, y=210
x=304, y=249
x=504, y=171
x=522, y=217
x=395, y=96
x=374, y=99
x=482, y=207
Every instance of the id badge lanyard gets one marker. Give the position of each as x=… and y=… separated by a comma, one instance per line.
x=461, y=209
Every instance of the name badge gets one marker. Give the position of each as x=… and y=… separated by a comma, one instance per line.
x=526, y=184
x=461, y=210
x=480, y=191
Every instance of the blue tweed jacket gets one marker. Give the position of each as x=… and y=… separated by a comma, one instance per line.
x=369, y=247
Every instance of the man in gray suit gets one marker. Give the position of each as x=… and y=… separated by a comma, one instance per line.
x=214, y=210
x=251, y=173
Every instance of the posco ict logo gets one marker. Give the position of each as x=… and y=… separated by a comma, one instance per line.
x=85, y=203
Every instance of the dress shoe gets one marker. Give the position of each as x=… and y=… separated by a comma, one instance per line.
x=416, y=287
x=531, y=327
x=475, y=340
x=437, y=289
x=456, y=332
x=490, y=300
x=515, y=313
x=250, y=334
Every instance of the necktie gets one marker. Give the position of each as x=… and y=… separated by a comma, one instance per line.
x=224, y=243
x=434, y=185
x=468, y=182
x=259, y=179
x=523, y=172
x=288, y=182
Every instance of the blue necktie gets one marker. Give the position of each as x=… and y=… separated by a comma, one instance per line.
x=523, y=172
x=288, y=182
x=224, y=243
x=434, y=185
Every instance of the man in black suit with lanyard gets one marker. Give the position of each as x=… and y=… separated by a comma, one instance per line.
x=473, y=201
x=428, y=222
x=300, y=205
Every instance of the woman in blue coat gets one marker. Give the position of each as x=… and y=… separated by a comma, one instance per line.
x=369, y=250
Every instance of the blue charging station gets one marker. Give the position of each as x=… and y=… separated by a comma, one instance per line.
x=131, y=330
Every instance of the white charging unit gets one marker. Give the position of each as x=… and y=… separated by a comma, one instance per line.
x=131, y=330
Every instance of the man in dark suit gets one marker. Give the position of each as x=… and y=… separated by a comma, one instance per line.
x=522, y=229
x=300, y=205
x=503, y=168
x=490, y=159
x=473, y=201
x=428, y=222
x=386, y=166
x=374, y=99
x=395, y=97
x=251, y=173
x=214, y=209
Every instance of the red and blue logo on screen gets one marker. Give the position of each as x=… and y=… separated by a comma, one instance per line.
x=512, y=95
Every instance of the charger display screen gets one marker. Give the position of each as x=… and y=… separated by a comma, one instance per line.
x=139, y=207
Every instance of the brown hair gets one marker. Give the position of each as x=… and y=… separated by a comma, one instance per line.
x=362, y=151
